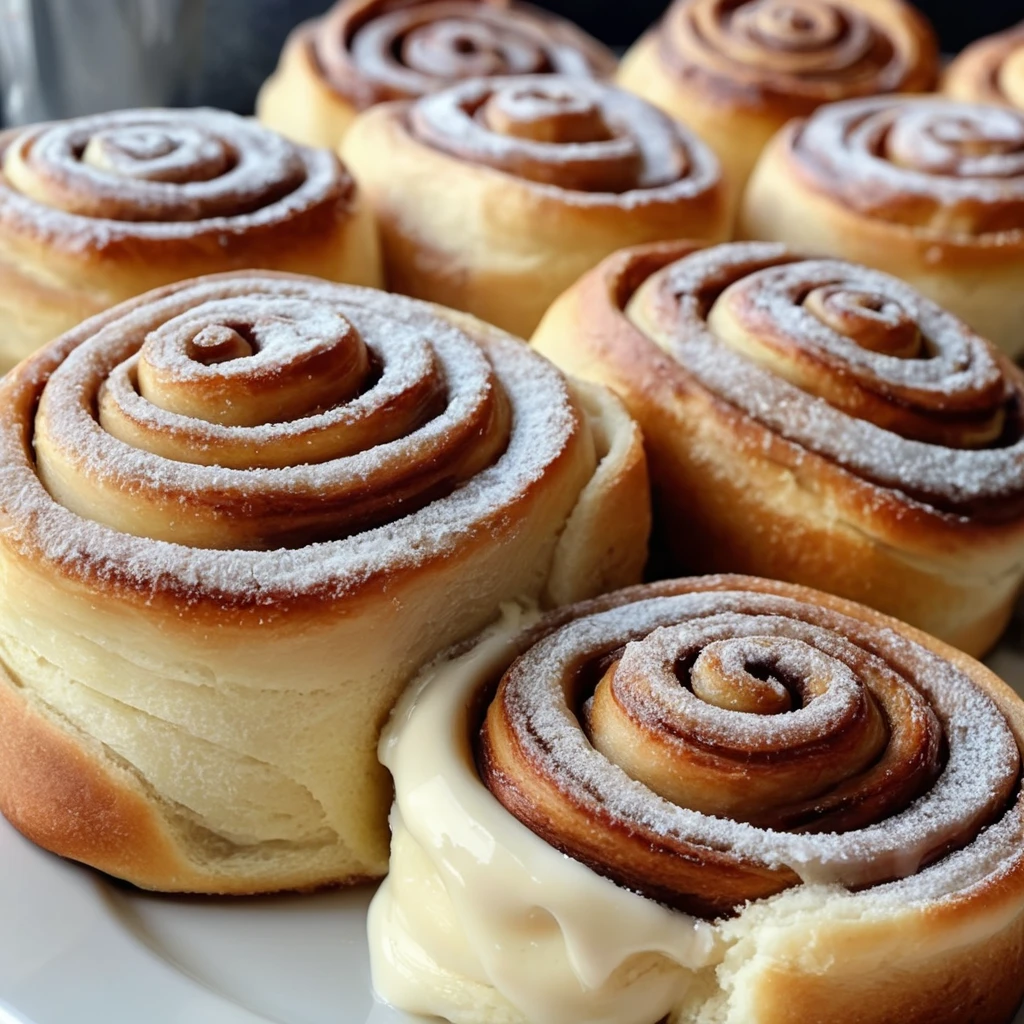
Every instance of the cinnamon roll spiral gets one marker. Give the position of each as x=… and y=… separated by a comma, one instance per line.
x=364, y=52
x=227, y=509
x=816, y=421
x=929, y=189
x=737, y=70
x=492, y=196
x=990, y=71
x=98, y=209
x=720, y=798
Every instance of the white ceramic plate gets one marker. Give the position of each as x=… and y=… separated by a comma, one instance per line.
x=78, y=949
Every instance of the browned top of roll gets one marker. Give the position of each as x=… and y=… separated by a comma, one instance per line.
x=370, y=51
x=838, y=360
x=256, y=439
x=711, y=741
x=105, y=181
x=955, y=170
x=792, y=55
x=575, y=135
x=990, y=70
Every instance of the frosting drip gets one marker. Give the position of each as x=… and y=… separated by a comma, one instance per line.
x=806, y=51
x=475, y=899
x=707, y=749
x=376, y=50
x=572, y=134
x=944, y=167
x=482, y=919
x=849, y=363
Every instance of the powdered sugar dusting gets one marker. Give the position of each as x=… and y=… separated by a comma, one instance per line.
x=674, y=306
x=943, y=167
x=370, y=53
x=981, y=770
x=635, y=154
x=543, y=422
x=803, y=655
x=814, y=51
x=158, y=174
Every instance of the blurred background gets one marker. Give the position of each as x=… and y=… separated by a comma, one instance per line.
x=615, y=22
x=218, y=52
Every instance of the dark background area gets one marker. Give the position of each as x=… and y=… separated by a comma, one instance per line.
x=240, y=60
x=958, y=21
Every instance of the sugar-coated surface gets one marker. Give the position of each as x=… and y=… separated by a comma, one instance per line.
x=157, y=174
x=482, y=919
x=948, y=168
x=635, y=156
x=961, y=370
x=370, y=53
x=543, y=421
x=817, y=51
x=463, y=370
x=982, y=753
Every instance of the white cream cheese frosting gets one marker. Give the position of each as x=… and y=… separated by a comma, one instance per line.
x=481, y=921
x=479, y=918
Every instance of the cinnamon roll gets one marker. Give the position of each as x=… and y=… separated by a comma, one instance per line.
x=990, y=71
x=99, y=209
x=814, y=421
x=712, y=799
x=736, y=71
x=496, y=194
x=928, y=189
x=236, y=515
x=363, y=52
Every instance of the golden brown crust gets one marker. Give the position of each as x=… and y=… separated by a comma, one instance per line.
x=373, y=51
x=62, y=797
x=298, y=101
x=939, y=220
x=736, y=73
x=731, y=494
x=90, y=214
x=279, y=603
x=364, y=52
x=990, y=70
x=65, y=795
x=480, y=219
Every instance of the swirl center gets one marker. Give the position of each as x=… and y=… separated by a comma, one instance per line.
x=747, y=677
x=570, y=133
x=271, y=362
x=706, y=721
x=151, y=153
x=789, y=24
x=875, y=322
x=976, y=142
x=879, y=746
x=552, y=115
x=219, y=343
x=810, y=49
x=461, y=48
x=863, y=342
